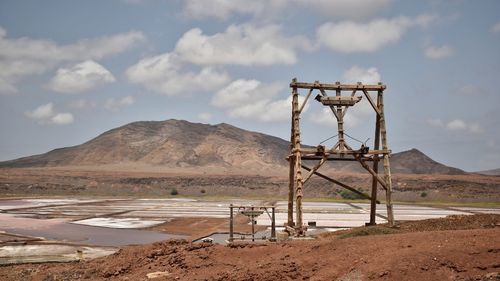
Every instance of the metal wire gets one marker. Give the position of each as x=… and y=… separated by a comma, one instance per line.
x=329, y=138
x=355, y=139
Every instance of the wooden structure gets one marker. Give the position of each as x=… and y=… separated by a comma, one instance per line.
x=341, y=151
x=252, y=212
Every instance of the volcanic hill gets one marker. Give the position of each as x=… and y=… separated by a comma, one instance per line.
x=181, y=144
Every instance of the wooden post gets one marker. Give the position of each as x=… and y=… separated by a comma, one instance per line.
x=231, y=235
x=340, y=123
x=291, y=187
x=253, y=224
x=376, y=146
x=273, y=225
x=297, y=160
x=291, y=162
x=387, y=169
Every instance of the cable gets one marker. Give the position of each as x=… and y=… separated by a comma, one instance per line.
x=329, y=138
x=364, y=143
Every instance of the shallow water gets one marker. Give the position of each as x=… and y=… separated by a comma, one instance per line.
x=63, y=230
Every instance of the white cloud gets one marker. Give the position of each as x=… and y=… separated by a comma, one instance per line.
x=240, y=45
x=20, y=57
x=194, y=64
x=496, y=27
x=205, y=116
x=62, y=118
x=439, y=52
x=359, y=74
x=244, y=92
x=456, y=125
x=115, y=104
x=80, y=77
x=45, y=114
x=264, y=110
x=45, y=50
x=11, y=71
x=351, y=37
x=164, y=74
x=358, y=9
x=254, y=100
x=82, y=104
x=44, y=111
x=223, y=9
x=324, y=117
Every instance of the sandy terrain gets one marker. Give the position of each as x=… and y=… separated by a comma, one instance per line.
x=454, y=248
x=407, y=187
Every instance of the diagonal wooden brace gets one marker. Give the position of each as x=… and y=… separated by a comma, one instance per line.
x=364, y=195
x=315, y=168
x=371, y=171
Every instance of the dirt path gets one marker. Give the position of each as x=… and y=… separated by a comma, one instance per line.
x=463, y=254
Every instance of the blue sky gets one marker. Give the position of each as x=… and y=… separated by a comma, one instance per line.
x=70, y=70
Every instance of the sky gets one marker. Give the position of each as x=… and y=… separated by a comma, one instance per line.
x=71, y=70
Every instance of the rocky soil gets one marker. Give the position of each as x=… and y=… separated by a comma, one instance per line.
x=407, y=187
x=453, y=248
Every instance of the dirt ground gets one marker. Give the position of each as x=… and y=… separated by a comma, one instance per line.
x=452, y=248
x=406, y=187
x=200, y=227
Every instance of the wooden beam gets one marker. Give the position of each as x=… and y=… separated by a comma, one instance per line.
x=364, y=195
x=345, y=151
x=331, y=107
x=337, y=86
x=291, y=160
x=305, y=101
x=371, y=171
x=316, y=157
x=298, y=171
x=376, y=146
x=339, y=100
x=315, y=168
x=387, y=168
x=291, y=190
x=374, y=106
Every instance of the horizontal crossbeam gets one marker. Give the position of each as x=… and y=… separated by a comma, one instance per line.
x=345, y=151
x=337, y=86
x=316, y=157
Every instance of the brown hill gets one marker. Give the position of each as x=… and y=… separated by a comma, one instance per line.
x=171, y=143
x=415, y=162
x=182, y=144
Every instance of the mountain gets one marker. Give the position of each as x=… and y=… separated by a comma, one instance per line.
x=182, y=144
x=414, y=161
x=171, y=143
x=494, y=172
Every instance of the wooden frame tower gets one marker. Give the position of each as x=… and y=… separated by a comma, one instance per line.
x=341, y=151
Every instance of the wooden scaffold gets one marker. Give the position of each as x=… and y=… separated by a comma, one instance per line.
x=341, y=151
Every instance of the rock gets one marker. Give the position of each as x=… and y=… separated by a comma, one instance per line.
x=157, y=274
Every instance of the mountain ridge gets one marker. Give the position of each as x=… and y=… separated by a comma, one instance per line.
x=492, y=172
x=182, y=144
